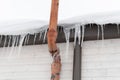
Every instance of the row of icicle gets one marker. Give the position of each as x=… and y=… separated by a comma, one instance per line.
x=20, y=40
x=80, y=31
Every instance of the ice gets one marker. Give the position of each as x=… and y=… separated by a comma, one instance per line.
x=16, y=44
x=102, y=30
x=4, y=45
x=98, y=34
x=20, y=43
x=17, y=41
x=40, y=35
x=25, y=42
x=14, y=31
x=9, y=41
x=5, y=41
x=13, y=45
x=90, y=25
x=67, y=36
x=35, y=36
x=26, y=39
x=67, y=28
x=1, y=37
x=45, y=36
x=118, y=29
x=83, y=34
x=77, y=34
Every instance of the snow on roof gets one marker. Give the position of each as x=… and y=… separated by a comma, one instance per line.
x=18, y=27
x=98, y=18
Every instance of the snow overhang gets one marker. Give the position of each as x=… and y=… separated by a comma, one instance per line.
x=34, y=31
x=98, y=18
x=26, y=26
x=22, y=27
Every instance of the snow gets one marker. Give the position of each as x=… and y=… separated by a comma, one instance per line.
x=18, y=27
x=98, y=18
x=18, y=31
x=24, y=26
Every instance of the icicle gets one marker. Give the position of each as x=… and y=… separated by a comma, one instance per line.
x=1, y=38
x=83, y=32
x=25, y=41
x=13, y=44
x=98, y=34
x=17, y=41
x=90, y=25
x=102, y=29
x=20, y=43
x=35, y=35
x=4, y=46
x=118, y=29
x=67, y=36
x=5, y=41
x=40, y=35
x=8, y=46
x=45, y=36
x=77, y=34
x=9, y=41
x=28, y=37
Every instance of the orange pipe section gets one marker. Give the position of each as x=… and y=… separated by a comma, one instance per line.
x=52, y=32
x=51, y=38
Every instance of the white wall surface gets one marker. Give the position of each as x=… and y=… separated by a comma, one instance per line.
x=101, y=60
x=34, y=63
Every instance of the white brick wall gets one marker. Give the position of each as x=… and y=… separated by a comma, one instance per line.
x=33, y=63
x=101, y=60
